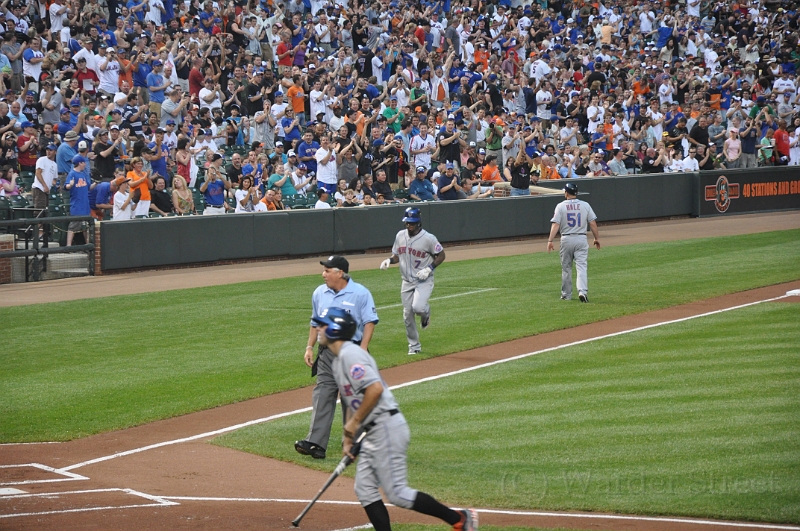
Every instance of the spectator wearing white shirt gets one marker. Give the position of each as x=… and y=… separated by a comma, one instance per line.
x=690, y=162
x=327, y=172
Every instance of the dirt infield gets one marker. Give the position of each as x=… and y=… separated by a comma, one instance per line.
x=164, y=475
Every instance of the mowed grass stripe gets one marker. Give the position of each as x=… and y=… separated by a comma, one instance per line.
x=75, y=368
x=699, y=418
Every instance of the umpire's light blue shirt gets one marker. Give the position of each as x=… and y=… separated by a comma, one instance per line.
x=355, y=299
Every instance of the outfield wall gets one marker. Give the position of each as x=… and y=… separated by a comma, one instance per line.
x=183, y=241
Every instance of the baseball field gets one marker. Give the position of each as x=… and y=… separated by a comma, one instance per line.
x=687, y=407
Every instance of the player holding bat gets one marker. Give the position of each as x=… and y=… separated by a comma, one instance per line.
x=371, y=408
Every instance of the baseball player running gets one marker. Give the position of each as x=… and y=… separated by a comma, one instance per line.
x=572, y=218
x=419, y=253
x=370, y=406
x=338, y=290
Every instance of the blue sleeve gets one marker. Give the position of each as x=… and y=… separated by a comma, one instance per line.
x=27, y=54
x=367, y=308
x=151, y=80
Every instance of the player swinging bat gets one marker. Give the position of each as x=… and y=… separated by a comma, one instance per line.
x=373, y=412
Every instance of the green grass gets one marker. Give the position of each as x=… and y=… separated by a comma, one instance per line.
x=699, y=418
x=76, y=368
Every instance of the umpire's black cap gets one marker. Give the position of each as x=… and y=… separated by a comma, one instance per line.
x=337, y=262
x=571, y=188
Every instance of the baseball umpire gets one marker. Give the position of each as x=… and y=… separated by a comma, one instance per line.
x=572, y=217
x=419, y=253
x=338, y=290
x=371, y=407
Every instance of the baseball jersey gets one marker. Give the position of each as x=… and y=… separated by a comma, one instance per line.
x=415, y=252
x=573, y=216
x=354, y=298
x=354, y=370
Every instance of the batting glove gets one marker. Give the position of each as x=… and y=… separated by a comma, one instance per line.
x=385, y=264
x=423, y=274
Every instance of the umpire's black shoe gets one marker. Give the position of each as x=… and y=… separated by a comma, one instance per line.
x=583, y=297
x=307, y=448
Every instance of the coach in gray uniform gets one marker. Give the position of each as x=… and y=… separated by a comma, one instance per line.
x=419, y=253
x=338, y=290
x=370, y=406
x=572, y=217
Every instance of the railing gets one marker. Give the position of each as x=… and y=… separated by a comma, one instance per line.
x=32, y=234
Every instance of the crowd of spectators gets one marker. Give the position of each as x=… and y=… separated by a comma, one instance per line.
x=156, y=106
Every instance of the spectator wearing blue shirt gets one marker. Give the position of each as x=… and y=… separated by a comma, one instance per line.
x=159, y=155
x=66, y=152
x=156, y=83
x=140, y=72
x=421, y=189
x=78, y=183
x=291, y=126
x=213, y=189
x=137, y=8
x=101, y=198
x=106, y=34
x=306, y=151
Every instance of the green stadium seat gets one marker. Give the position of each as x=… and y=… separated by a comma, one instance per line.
x=27, y=174
x=5, y=209
x=401, y=193
x=154, y=215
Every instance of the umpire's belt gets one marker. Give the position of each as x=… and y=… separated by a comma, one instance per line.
x=391, y=412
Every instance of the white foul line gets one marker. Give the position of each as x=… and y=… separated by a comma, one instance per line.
x=414, y=382
x=720, y=523
x=443, y=297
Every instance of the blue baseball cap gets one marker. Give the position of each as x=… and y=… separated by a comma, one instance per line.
x=377, y=142
x=157, y=63
x=170, y=122
x=75, y=103
x=52, y=146
x=77, y=159
x=302, y=166
x=448, y=166
x=27, y=124
x=64, y=111
x=421, y=169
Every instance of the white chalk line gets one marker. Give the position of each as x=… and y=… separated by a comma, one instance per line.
x=509, y=512
x=413, y=382
x=70, y=476
x=159, y=501
x=365, y=526
x=443, y=297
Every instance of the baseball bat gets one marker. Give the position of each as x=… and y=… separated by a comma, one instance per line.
x=346, y=460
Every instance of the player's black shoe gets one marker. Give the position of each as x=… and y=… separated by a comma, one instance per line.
x=425, y=320
x=307, y=448
x=583, y=297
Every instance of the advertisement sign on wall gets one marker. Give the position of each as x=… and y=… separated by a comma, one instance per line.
x=759, y=190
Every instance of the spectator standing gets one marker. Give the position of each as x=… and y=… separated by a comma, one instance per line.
x=46, y=177
x=123, y=200
x=214, y=188
x=78, y=183
x=327, y=173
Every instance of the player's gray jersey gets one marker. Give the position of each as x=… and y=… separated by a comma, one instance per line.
x=415, y=252
x=355, y=370
x=573, y=216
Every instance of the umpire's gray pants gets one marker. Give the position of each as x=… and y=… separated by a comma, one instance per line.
x=574, y=248
x=382, y=463
x=323, y=400
x=415, y=297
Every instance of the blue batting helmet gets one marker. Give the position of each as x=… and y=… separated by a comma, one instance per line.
x=412, y=215
x=341, y=324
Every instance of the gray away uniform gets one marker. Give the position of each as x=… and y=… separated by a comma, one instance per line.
x=573, y=217
x=415, y=254
x=382, y=461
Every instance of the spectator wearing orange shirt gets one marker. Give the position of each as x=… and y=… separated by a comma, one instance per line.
x=491, y=172
x=482, y=56
x=297, y=99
